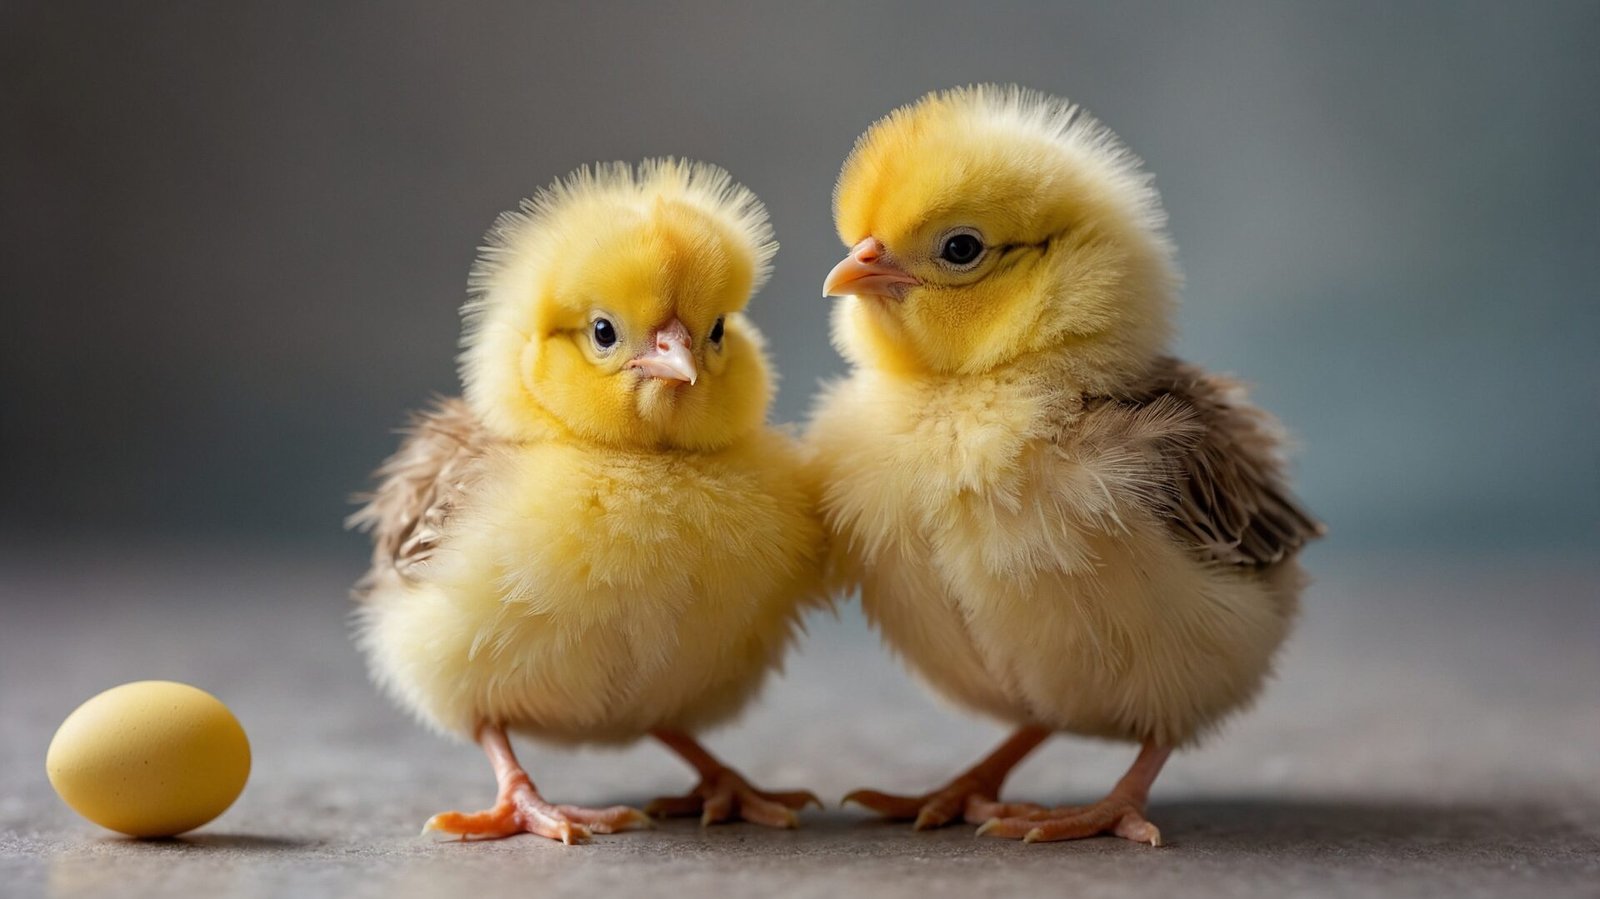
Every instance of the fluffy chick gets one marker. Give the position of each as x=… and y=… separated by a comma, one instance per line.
x=601, y=539
x=1052, y=521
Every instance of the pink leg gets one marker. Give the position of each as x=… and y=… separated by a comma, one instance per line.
x=973, y=794
x=520, y=809
x=1120, y=813
x=723, y=793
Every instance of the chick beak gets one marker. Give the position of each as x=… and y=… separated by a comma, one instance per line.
x=669, y=358
x=867, y=272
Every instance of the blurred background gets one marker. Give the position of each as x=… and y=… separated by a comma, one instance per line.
x=233, y=238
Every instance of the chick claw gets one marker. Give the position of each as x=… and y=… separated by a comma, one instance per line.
x=724, y=793
x=524, y=811
x=1112, y=815
x=967, y=796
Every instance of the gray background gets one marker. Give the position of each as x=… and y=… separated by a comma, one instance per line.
x=233, y=240
x=232, y=245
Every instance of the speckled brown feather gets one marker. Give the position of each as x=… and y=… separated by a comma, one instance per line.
x=437, y=463
x=1226, y=496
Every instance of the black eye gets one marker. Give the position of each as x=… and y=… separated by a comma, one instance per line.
x=605, y=335
x=716, y=331
x=961, y=249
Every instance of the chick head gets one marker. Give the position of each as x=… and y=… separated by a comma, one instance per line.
x=986, y=224
x=610, y=306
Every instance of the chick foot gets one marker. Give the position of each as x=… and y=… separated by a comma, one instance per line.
x=1121, y=813
x=520, y=808
x=525, y=811
x=723, y=793
x=1111, y=815
x=973, y=795
x=966, y=797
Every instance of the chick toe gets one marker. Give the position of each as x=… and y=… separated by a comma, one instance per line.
x=523, y=810
x=972, y=795
x=982, y=811
x=613, y=819
x=930, y=810
x=1121, y=813
x=899, y=808
x=724, y=795
x=489, y=824
x=1114, y=815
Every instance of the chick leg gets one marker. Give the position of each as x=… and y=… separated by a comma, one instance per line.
x=519, y=807
x=1120, y=813
x=974, y=794
x=723, y=792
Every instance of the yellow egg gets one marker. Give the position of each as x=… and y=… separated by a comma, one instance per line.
x=150, y=759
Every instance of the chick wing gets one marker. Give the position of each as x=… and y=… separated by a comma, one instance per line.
x=1219, y=477
x=419, y=486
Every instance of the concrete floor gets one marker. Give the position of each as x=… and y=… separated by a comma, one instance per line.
x=1435, y=731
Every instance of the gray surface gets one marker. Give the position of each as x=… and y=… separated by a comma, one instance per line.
x=1434, y=731
x=235, y=235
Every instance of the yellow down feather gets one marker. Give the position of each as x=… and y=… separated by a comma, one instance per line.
x=1006, y=527
x=613, y=555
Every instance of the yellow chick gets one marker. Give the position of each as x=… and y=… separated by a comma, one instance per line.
x=1052, y=521
x=601, y=539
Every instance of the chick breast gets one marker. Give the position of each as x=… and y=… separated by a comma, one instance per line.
x=586, y=594
x=1033, y=552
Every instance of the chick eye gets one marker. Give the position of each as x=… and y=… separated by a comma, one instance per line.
x=716, y=331
x=961, y=248
x=605, y=334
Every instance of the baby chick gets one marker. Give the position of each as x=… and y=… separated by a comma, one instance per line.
x=601, y=539
x=1052, y=521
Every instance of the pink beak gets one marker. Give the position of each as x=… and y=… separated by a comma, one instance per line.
x=669, y=358
x=867, y=272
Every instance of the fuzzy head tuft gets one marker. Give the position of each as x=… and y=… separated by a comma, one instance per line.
x=1074, y=260
x=580, y=281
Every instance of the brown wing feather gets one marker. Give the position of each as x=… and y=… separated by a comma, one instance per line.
x=418, y=487
x=1222, y=456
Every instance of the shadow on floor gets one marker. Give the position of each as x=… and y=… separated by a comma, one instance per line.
x=1300, y=829
x=211, y=842
x=1306, y=829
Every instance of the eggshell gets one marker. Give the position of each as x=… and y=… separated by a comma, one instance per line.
x=150, y=758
